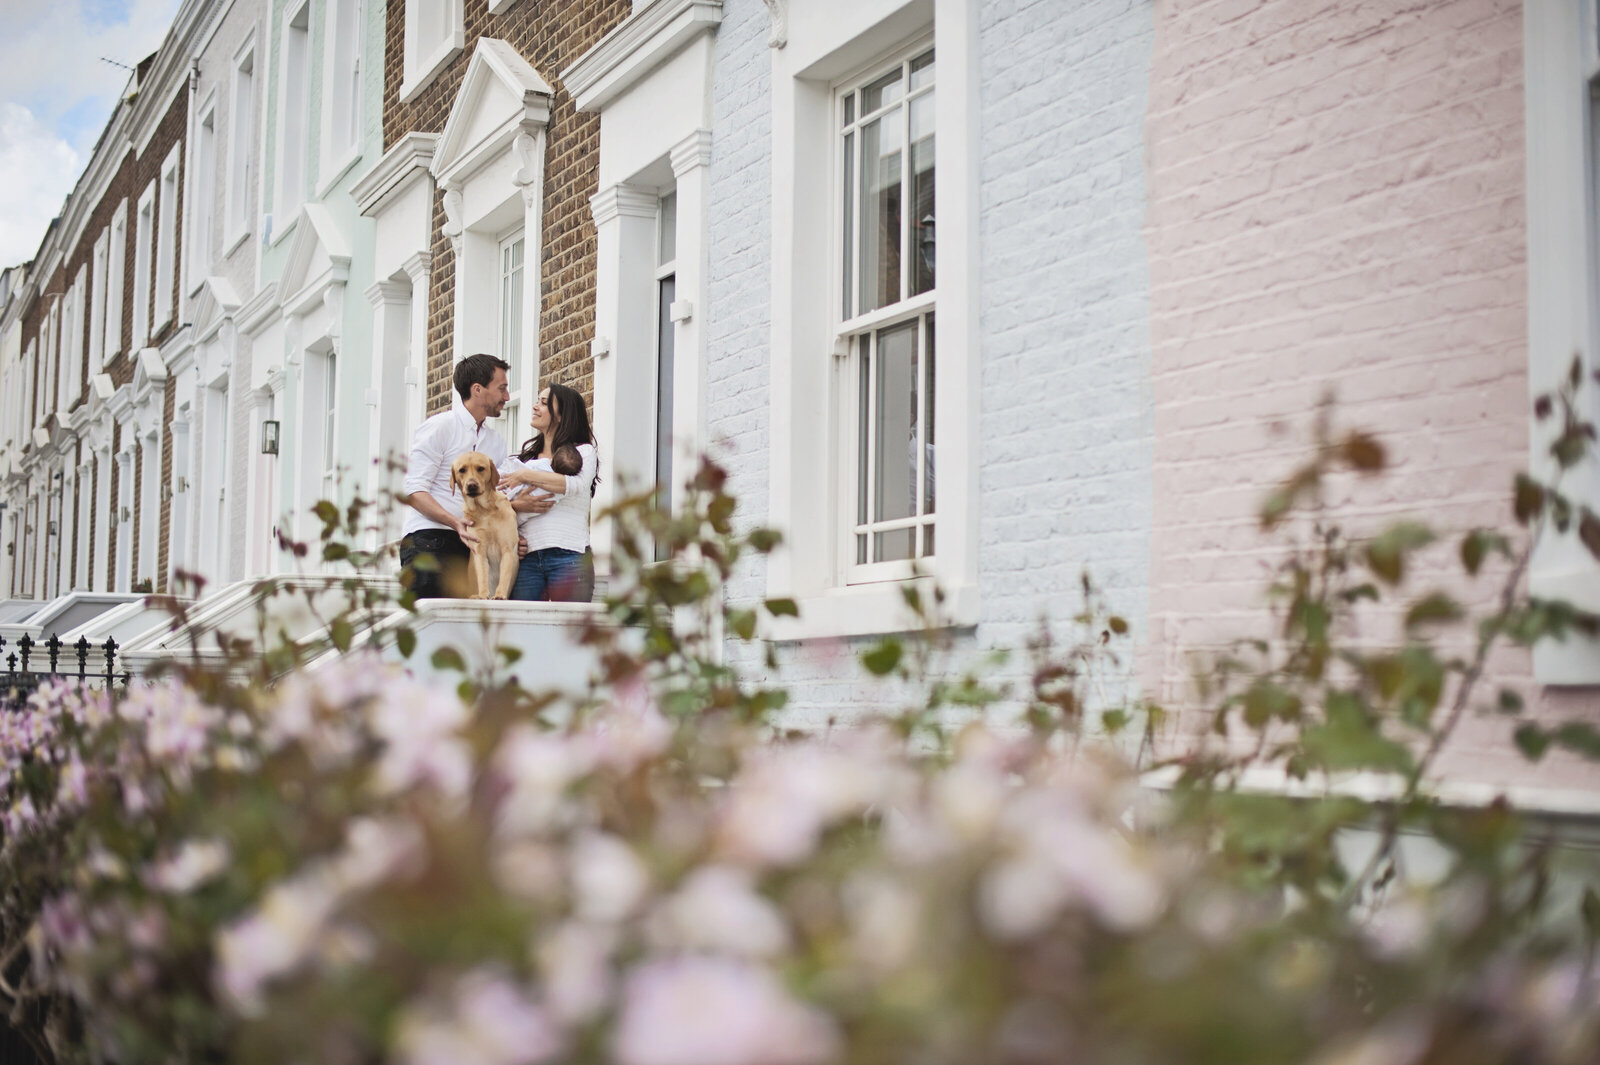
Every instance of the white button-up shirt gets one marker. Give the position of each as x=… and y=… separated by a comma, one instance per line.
x=438, y=442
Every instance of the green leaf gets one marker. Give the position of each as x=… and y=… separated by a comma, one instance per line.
x=1579, y=737
x=449, y=658
x=335, y=551
x=783, y=608
x=1386, y=553
x=742, y=623
x=341, y=632
x=1435, y=608
x=1118, y=625
x=1114, y=721
x=1589, y=531
x=1472, y=551
x=882, y=659
x=326, y=512
x=764, y=540
x=1527, y=498
x=1363, y=452
x=1266, y=701
x=1590, y=909
x=512, y=655
x=1509, y=702
x=1532, y=741
x=405, y=640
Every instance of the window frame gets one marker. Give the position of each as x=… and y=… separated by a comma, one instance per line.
x=826, y=46
x=422, y=62
x=335, y=158
x=293, y=103
x=514, y=281
x=116, y=282
x=239, y=196
x=201, y=200
x=99, y=272
x=143, y=262
x=166, y=252
x=855, y=332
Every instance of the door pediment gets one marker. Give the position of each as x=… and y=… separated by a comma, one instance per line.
x=501, y=96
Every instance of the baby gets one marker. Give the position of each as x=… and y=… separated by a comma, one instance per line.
x=566, y=461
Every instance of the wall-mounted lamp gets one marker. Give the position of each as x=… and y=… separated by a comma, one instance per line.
x=182, y=485
x=927, y=240
x=51, y=528
x=124, y=514
x=269, y=437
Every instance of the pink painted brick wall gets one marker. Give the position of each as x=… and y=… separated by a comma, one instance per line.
x=1336, y=204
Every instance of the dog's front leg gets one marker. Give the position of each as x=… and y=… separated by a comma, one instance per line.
x=508, y=572
x=480, y=571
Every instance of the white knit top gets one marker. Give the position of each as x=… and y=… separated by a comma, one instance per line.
x=567, y=523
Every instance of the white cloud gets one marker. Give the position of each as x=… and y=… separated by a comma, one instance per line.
x=56, y=95
x=37, y=168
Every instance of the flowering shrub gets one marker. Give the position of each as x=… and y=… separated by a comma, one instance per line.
x=352, y=865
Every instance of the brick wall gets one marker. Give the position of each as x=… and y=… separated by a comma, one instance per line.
x=1336, y=205
x=551, y=37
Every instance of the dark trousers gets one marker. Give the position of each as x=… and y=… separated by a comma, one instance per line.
x=444, y=562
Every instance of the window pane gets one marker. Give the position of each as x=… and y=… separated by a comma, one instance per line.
x=922, y=71
x=895, y=443
x=849, y=109
x=883, y=92
x=668, y=243
x=922, y=224
x=880, y=213
x=849, y=221
x=927, y=406
x=894, y=546
x=864, y=434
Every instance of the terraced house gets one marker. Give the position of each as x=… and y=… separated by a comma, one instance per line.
x=982, y=294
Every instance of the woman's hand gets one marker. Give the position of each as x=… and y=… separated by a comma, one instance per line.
x=533, y=503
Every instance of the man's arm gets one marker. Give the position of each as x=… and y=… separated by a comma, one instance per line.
x=429, y=508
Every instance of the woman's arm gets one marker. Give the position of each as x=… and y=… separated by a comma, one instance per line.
x=557, y=483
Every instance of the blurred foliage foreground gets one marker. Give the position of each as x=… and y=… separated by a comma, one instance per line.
x=268, y=863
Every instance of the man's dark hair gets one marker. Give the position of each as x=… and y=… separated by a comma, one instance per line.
x=477, y=370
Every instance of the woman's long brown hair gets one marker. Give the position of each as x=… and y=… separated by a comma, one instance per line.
x=571, y=416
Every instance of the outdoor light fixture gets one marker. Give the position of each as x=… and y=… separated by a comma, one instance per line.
x=926, y=240
x=269, y=437
x=51, y=529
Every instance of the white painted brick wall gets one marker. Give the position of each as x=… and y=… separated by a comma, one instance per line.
x=1064, y=318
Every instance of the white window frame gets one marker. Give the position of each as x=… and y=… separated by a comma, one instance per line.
x=97, y=300
x=202, y=197
x=70, y=380
x=116, y=280
x=858, y=334
x=1561, y=39
x=828, y=42
x=666, y=472
x=291, y=169
x=328, y=431
x=341, y=89
x=149, y=512
x=240, y=195
x=166, y=242
x=84, y=578
x=511, y=335
x=425, y=53
x=144, y=245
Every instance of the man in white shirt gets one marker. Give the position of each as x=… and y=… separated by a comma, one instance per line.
x=436, y=527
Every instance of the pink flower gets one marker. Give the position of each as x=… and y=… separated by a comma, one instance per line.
x=490, y=1021
x=717, y=1011
x=718, y=909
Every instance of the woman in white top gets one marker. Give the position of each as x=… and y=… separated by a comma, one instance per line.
x=555, y=568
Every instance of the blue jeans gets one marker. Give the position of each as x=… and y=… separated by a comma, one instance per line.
x=553, y=574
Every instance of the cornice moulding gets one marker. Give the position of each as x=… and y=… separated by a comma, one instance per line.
x=400, y=166
x=643, y=41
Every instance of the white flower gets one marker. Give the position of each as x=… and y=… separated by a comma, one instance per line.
x=376, y=850
x=717, y=1011
x=632, y=730
x=608, y=879
x=418, y=726
x=719, y=910
x=886, y=920
x=575, y=970
x=538, y=768
x=196, y=862
x=274, y=940
x=490, y=1022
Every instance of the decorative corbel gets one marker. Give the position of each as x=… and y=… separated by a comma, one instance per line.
x=530, y=174
x=779, y=12
x=333, y=302
x=453, y=207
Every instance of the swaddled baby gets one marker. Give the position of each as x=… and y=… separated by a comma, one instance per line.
x=566, y=461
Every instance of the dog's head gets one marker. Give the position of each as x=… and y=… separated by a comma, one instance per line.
x=474, y=473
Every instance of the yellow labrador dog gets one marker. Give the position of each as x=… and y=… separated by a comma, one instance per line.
x=494, y=559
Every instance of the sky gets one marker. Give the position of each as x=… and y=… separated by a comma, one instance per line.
x=56, y=94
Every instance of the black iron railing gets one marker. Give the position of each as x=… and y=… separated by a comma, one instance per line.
x=26, y=667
